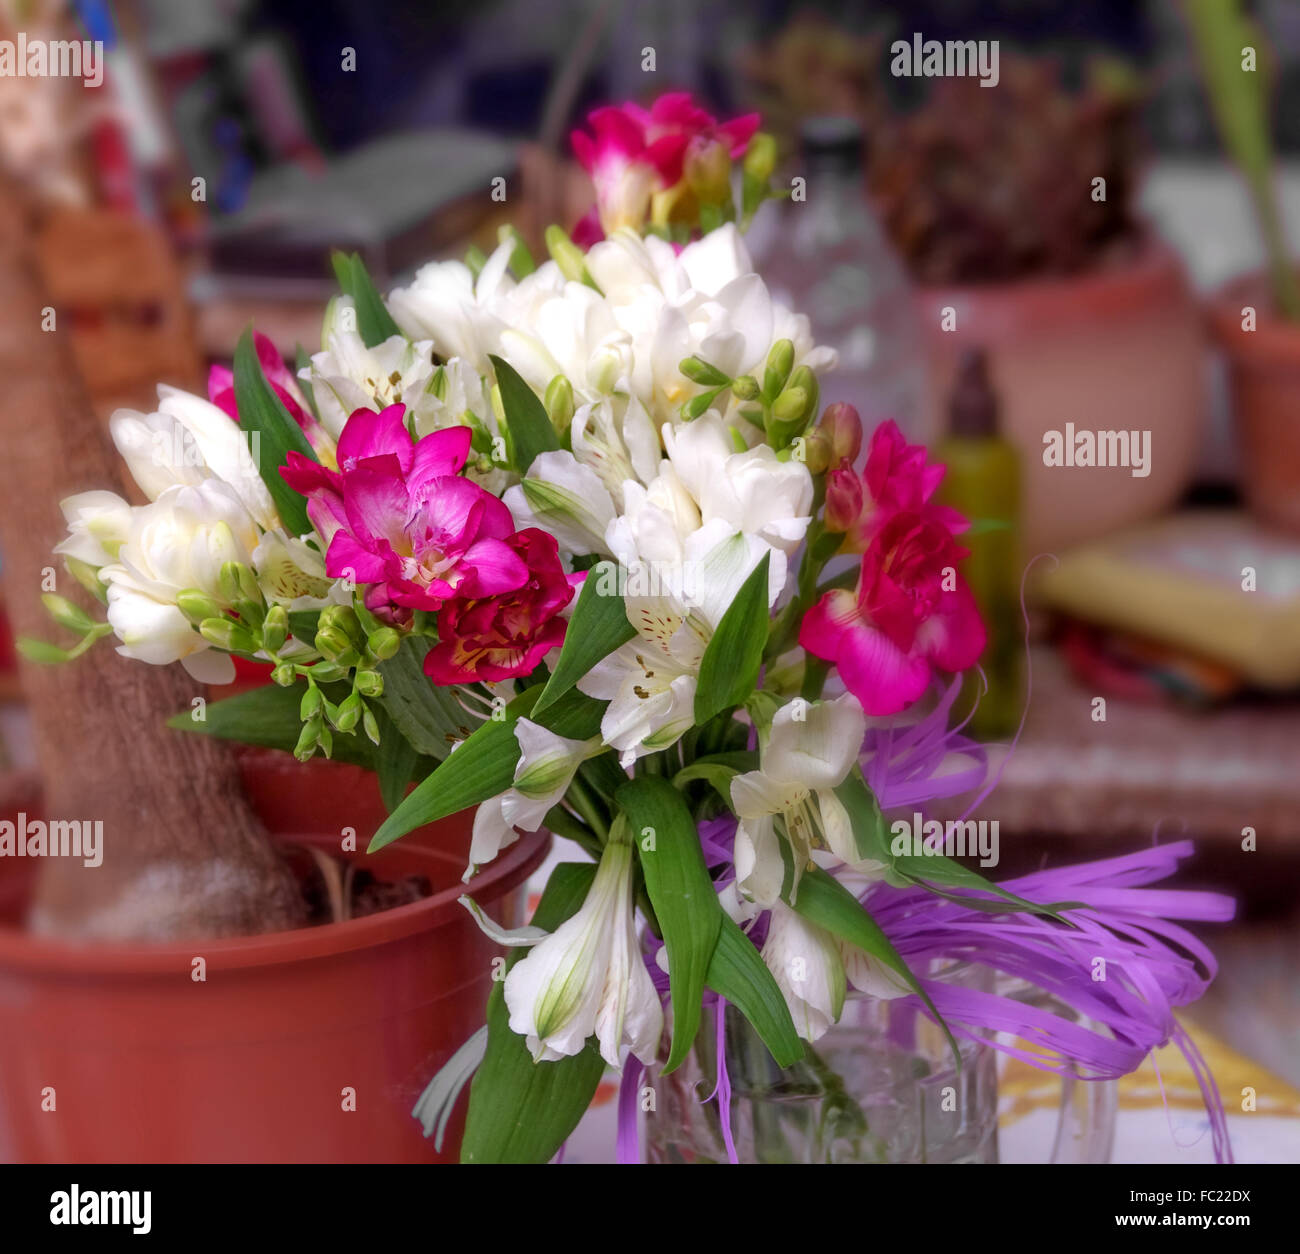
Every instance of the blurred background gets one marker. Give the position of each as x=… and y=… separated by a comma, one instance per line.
x=952, y=246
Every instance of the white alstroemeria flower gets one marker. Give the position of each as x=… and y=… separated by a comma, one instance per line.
x=178, y=542
x=809, y=970
x=291, y=572
x=752, y=490
x=98, y=525
x=186, y=441
x=348, y=375
x=655, y=522
x=675, y=608
x=588, y=977
x=809, y=750
x=546, y=767
x=615, y=437
x=869, y=975
x=566, y=498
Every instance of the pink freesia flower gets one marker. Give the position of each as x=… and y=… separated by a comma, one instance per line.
x=221, y=392
x=506, y=635
x=633, y=153
x=897, y=476
x=398, y=515
x=911, y=613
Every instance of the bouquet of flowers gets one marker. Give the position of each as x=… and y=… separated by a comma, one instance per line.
x=576, y=544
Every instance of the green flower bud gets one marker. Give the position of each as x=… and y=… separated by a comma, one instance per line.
x=284, y=675
x=341, y=618
x=744, y=388
x=566, y=254
x=760, y=157
x=87, y=576
x=306, y=745
x=790, y=405
x=196, y=605
x=349, y=713
x=371, y=726
x=780, y=361
x=370, y=683
x=73, y=617
x=559, y=403
x=228, y=635
x=237, y=582
x=325, y=739
x=698, y=404
x=312, y=703
x=327, y=672
x=384, y=643
x=699, y=371
x=275, y=628
x=806, y=381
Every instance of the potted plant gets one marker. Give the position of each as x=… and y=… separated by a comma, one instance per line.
x=551, y=539
x=1255, y=319
x=1012, y=210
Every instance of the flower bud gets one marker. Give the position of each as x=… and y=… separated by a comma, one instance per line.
x=341, y=618
x=227, y=635
x=843, y=427
x=370, y=683
x=349, y=713
x=780, y=361
x=238, y=583
x=698, y=404
x=384, y=643
x=815, y=452
x=370, y=725
x=708, y=170
x=327, y=672
x=843, y=498
x=73, y=617
x=566, y=254
x=805, y=381
x=559, y=403
x=697, y=370
x=790, y=405
x=744, y=388
x=275, y=628
x=760, y=157
x=306, y=745
x=309, y=707
x=284, y=675
x=334, y=644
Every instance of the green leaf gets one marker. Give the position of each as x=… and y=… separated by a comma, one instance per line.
x=428, y=716
x=729, y=668
x=530, y=426
x=271, y=433
x=395, y=761
x=823, y=900
x=598, y=626
x=268, y=717
x=374, y=323
x=682, y=893
x=738, y=973
x=521, y=1111
x=484, y=765
x=872, y=838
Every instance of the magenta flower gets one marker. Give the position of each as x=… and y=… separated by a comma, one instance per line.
x=398, y=515
x=507, y=635
x=634, y=153
x=898, y=476
x=911, y=613
x=221, y=392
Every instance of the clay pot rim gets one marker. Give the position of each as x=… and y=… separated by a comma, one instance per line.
x=1274, y=341
x=23, y=950
x=1015, y=306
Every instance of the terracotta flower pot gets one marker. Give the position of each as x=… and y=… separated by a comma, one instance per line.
x=257, y=1062
x=1117, y=349
x=1264, y=377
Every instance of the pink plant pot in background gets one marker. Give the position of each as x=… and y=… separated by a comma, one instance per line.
x=1118, y=349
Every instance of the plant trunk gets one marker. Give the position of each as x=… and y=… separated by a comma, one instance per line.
x=183, y=853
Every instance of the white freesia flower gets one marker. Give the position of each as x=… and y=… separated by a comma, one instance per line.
x=178, y=542
x=587, y=977
x=809, y=970
x=186, y=441
x=809, y=751
x=348, y=375
x=98, y=525
x=546, y=767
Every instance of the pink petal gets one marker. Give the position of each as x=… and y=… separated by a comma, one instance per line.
x=825, y=625
x=491, y=567
x=370, y=434
x=346, y=556
x=954, y=636
x=882, y=677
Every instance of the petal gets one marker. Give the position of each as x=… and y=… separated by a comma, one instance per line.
x=882, y=677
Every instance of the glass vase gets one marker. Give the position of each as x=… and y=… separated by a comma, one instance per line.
x=880, y=1086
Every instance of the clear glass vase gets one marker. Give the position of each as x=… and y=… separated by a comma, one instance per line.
x=879, y=1087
